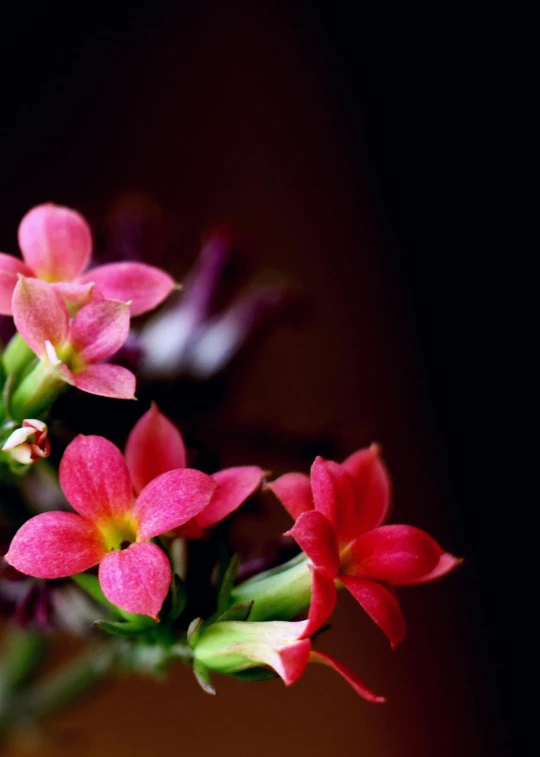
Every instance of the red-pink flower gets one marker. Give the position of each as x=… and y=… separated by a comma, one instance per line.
x=285, y=647
x=109, y=528
x=74, y=350
x=155, y=446
x=56, y=244
x=338, y=525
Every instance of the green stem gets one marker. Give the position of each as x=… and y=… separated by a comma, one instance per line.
x=36, y=392
x=17, y=355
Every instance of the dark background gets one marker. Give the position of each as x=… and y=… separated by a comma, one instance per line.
x=359, y=151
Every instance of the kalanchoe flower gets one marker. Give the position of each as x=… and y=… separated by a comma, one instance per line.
x=190, y=336
x=155, y=446
x=28, y=443
x=74, y=351
x=338, y=525
x=232, y=647
x=56, y=244
x=109, y=528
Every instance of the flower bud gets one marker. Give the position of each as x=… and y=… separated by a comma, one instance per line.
x=29, y=442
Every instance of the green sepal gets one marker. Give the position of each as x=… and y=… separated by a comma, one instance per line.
x=254, y=674
x=193, y=631
x=202, y=674
x=227, y=583
x=178, y=598
x=238, y=612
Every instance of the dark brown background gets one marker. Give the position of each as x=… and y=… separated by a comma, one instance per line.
x=347, y=148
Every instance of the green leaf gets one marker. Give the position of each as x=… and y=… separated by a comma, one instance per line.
x=224, y=591
x=202, y=674
x=238, y=612
x=90, y=584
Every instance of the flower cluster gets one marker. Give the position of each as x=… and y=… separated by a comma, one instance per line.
x=126, y=523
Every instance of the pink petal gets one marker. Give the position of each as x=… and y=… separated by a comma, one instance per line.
x=352, y=679
x=371, y=488
x=235, y=486
x=381, y=606
x=154, y=446
x=294, y=492
x=315, y=536
x=290, y=661
x=397, y=554
x=95, y=478
x=333, y=495
x=10, y=268
x=107, y=381
x=143, y=285
x=55, y=242
x=323, y=600
x=77, y=295
x=99, y=329
x=136, y=579
x=39, y=314
x=446, y=564
x=55, y=545
x=170, y=500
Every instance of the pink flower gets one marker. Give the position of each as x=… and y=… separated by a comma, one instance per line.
x=233, y=647
x=109, y=528
x=75, y=350
x=28, y=443
x=338, y=525
x=56, y=245
x=155, y=446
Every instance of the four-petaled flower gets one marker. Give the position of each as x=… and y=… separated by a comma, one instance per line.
x=29, y=442
x=56, y=244
x=74, y=350
x=155, y=446
x=110, y=528
x=338, y=525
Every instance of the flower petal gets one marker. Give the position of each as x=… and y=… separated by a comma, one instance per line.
x=99, y=329
x=10, y=268
x=136, y=579
x=315, y=536
x=55, y=545
x=371, y=488
x=294, y=492
x=323, y=600
x=77, y=295
x=55, y=242
x=171, y=499
x=107, y=381
x=144, y=286
x=446, y=564
x=333, y=496
x=39, y=314
x=397, y=554
x=235, y=486
x=352, y=679
x=381, y=606
x=154, y=446
x=289, y=662
x=95, y=478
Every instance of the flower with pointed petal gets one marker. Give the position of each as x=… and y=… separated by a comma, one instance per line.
x=56, y=244
x=285, y=647
x=75, y=350
x=155, y=446
x=338, y=513
x=109, y=528
x=29, y=442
